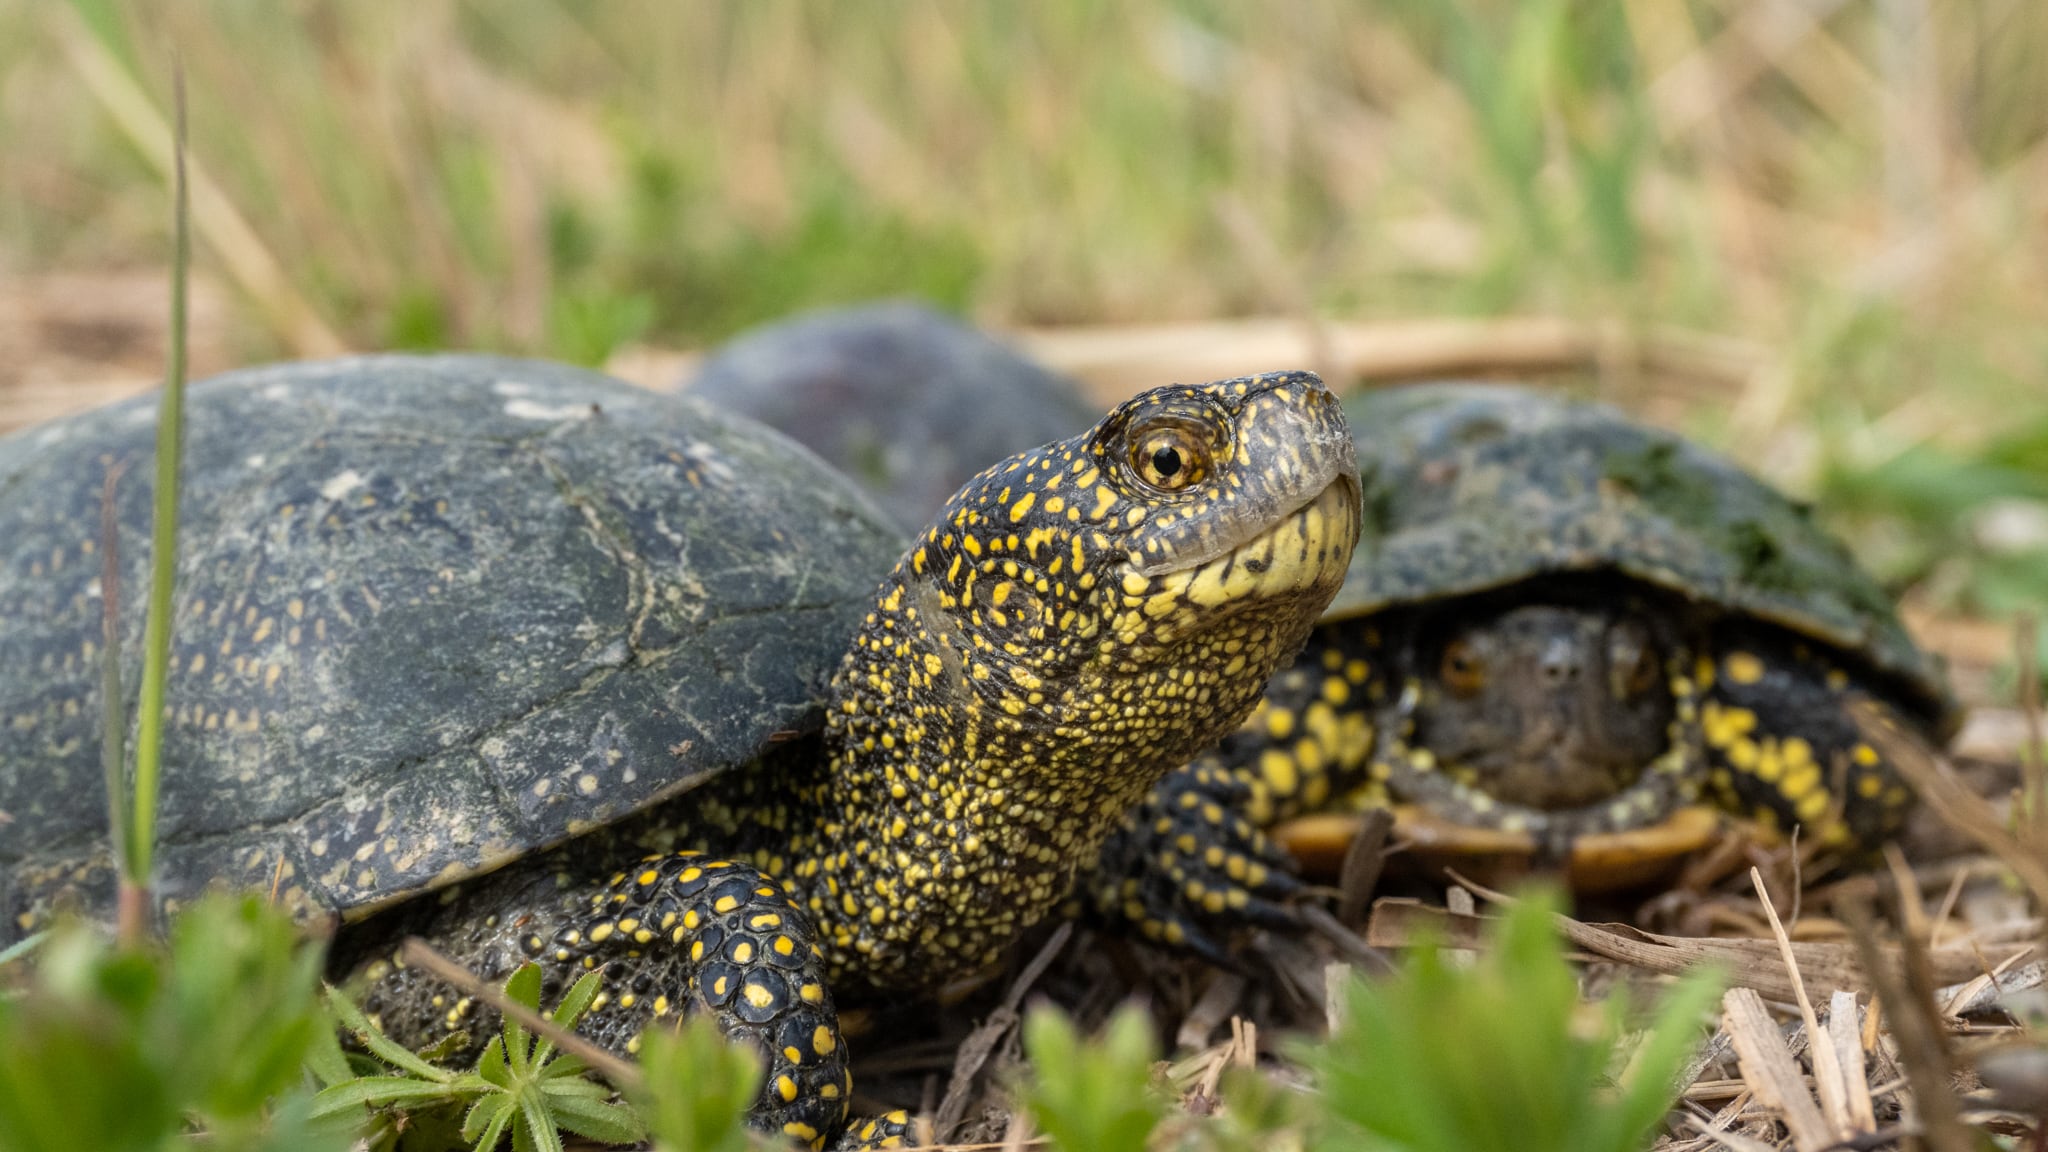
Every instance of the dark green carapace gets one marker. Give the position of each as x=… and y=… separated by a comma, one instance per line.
x=525, y=621
x=432, y=615
x=1558, y=622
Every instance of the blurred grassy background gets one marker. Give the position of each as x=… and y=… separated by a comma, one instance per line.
x=1856, y=190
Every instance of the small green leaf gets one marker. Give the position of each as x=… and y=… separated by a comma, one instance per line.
x=574, y=1004
x=324, y=1057
x=376, y=1092
x=563, y=1066
x=523, y=989
x=696, y=1087
x=373, y=1038
x=537, y=1125
x=492, y=1065
x=597, y=1120
x=1092, y=1097
x=572, y=1086
x=1496, y=1055
x=488, y=1118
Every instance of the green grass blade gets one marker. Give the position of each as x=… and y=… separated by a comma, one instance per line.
x=21, y=948
x=170, y=439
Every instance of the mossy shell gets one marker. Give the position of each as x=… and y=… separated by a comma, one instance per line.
x=432, y=614
x=1470, y=487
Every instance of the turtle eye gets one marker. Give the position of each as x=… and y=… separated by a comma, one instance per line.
x=1633, y=663
x=1169, y=457
x=1463, y=670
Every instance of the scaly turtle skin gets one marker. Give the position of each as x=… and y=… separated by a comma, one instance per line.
x=904, y=399
x=1078, y=621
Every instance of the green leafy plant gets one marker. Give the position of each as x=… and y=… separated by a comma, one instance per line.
x=1092, y=1096
x=521, y=1085
x=695, y=1088
x=114, y=1047
x=1500, y=1055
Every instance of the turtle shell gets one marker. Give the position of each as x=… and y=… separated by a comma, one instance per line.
x=432, y=614
x=1469, y=487
x=903, y=398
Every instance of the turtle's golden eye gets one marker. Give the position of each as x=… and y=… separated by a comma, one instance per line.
x=1463, y=670
x=1169, y=457
x=1633, y=662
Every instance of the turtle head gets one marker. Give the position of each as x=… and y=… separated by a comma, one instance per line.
x=1080, y=619
x=1197, y=529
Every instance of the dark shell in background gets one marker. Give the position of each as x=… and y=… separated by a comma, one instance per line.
x=906, y=400
x=1469, y=487
x=432, y=614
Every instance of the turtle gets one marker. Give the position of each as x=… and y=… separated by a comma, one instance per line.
x=1560, y=628
x=903, y=398
x=550, y=669
x=1562, y=625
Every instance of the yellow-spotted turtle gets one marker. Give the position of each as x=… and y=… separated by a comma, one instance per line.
x=546, y=668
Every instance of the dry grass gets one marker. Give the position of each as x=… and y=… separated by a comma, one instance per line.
x=1852, y=192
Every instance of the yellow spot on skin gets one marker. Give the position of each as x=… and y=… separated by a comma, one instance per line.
x=1812, y=806
x=1278, y=770
x=1022, y=507
x=1743, y=667
x=758, y=996
x=600, y=934
x=785, y=1088
x=822, y=1041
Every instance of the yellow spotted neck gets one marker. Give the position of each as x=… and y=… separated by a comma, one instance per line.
x=954, y=819
x=1065, y=634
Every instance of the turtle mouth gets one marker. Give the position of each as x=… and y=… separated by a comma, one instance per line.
x=1304, y=553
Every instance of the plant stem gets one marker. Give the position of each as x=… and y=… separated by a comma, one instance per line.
x=170, y=433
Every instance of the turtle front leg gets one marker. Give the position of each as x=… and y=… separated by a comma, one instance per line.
x=1191, y=865
x=688, y=932
x=1784, y=748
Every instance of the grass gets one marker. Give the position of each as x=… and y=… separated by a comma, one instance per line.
x=1859, y=196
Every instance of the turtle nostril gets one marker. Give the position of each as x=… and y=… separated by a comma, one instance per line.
x=1559, y=664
